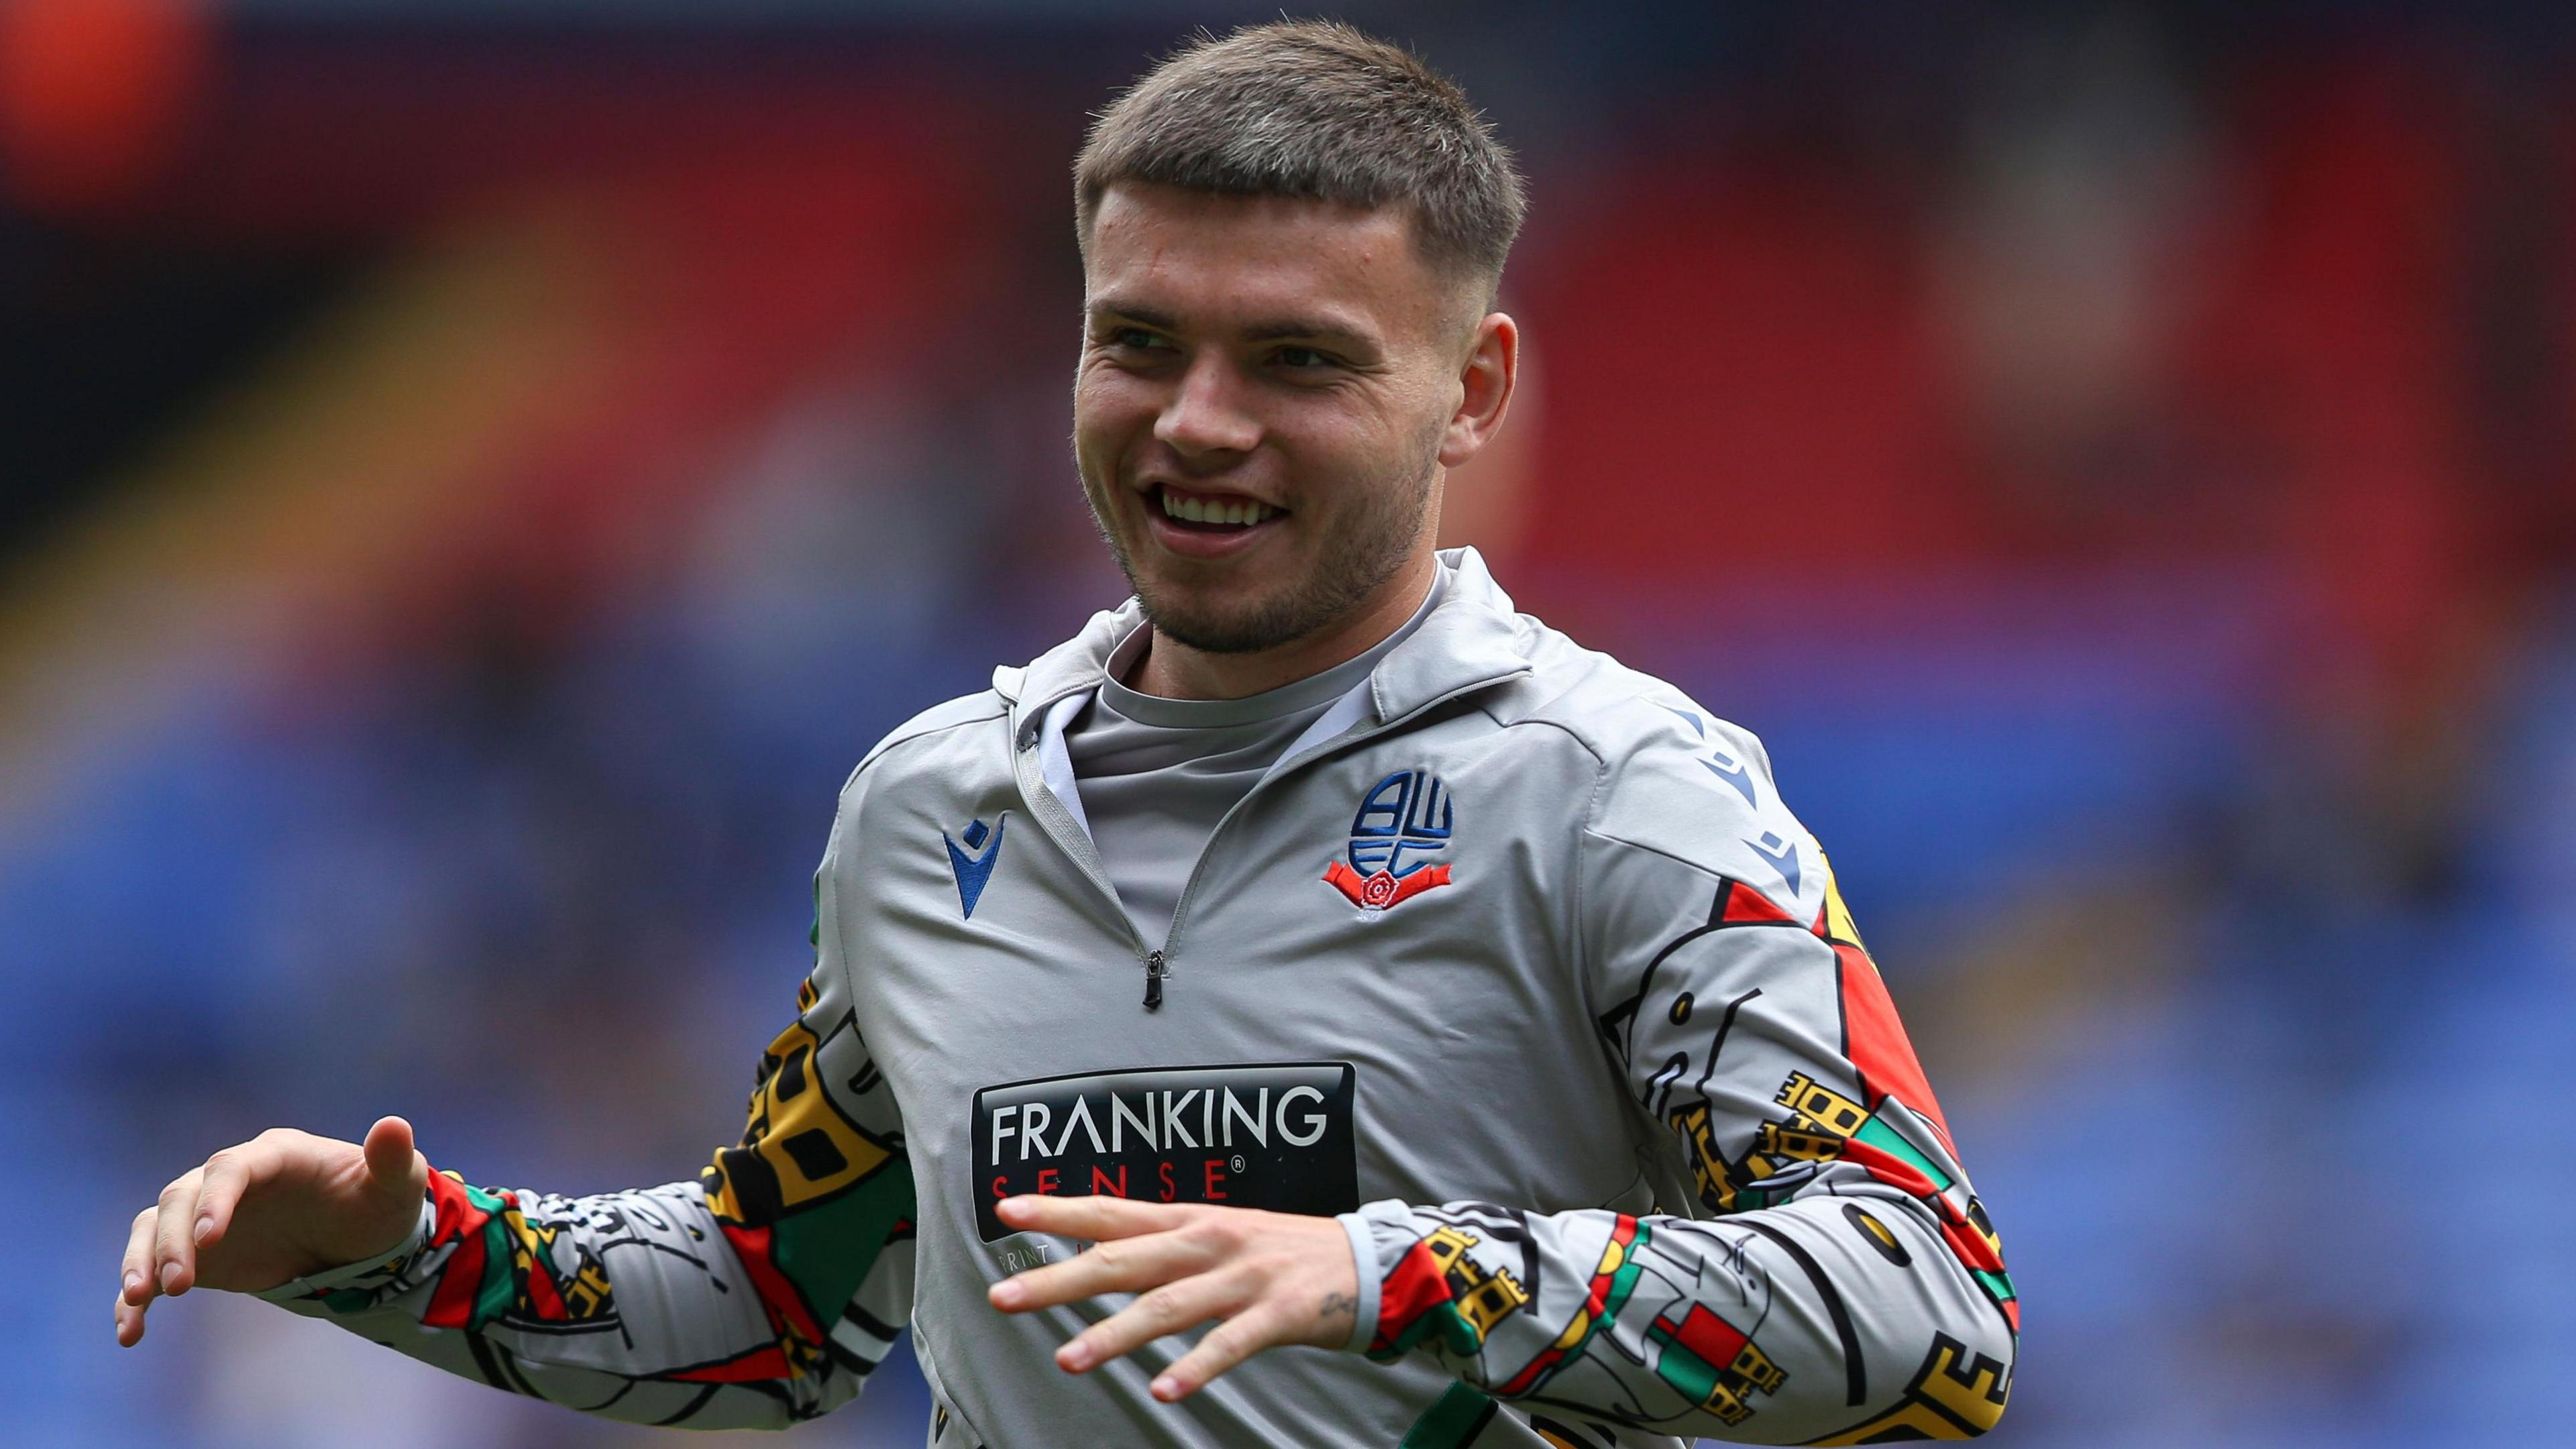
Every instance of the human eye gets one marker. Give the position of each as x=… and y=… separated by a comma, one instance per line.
x=1303, y=359
x=1133, y=339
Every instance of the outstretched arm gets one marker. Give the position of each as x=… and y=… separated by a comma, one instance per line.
x=762, y=1293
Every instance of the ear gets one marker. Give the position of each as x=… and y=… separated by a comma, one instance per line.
x=1484, y=389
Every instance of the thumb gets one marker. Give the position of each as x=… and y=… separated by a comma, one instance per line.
x=393, y=1162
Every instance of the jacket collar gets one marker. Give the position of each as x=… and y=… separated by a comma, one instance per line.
x=1471, y=639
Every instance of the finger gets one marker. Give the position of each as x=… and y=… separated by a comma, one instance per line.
x=174, y=1249
x=136, y=1285
x=226, y=1176
x=129, y=1323
x=1127, y=1265
x=392, y=1156
x=1221, y=1348
x=1167, y=1310
x=1097, y=1218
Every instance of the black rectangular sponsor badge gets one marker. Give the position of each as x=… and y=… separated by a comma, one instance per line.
x=1274, y=1135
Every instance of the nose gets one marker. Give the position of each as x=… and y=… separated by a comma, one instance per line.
x=1205, y=413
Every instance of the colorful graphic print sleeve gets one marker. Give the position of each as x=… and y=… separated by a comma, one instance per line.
x=1833, y=1278
x=760, y=1295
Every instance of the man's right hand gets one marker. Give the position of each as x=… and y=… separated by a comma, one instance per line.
x=279, y=1207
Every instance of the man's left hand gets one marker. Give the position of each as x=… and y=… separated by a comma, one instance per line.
x=1273, y=1278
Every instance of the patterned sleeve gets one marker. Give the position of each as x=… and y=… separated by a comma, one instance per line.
x=1822, y=1272
x=762, y=1294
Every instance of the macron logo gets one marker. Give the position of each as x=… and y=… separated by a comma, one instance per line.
x=1783, y=855
x=976, y=868
x=1725, y=767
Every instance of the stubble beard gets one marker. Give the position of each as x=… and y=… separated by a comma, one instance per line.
x=1367, y=548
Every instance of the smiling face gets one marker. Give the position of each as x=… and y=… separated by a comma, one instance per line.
x=1269, y=393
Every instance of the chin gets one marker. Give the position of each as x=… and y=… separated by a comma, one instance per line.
x=1219, y=621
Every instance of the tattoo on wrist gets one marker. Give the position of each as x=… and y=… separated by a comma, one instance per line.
x=1339, y=1305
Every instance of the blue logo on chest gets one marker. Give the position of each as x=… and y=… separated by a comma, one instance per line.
x=1402, y=828
x=975, y=868
x=1403, y=825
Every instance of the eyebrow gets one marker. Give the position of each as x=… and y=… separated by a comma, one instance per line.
x=1267, y=330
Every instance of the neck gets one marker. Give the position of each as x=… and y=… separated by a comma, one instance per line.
x=1174, y=670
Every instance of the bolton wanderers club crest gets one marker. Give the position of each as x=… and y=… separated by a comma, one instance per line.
x=1399, y=843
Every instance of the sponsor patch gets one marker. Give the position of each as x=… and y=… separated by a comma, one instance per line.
x=1273, y=1136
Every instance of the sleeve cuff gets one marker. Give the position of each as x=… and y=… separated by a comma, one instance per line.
x=333, y=1279
x=1364, y=1261
x=1381, y=1233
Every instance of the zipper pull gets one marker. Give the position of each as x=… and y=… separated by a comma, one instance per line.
x=1155, y=971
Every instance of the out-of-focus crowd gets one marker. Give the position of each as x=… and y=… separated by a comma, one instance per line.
x=471, y=488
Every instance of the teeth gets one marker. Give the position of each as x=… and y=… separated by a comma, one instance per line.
x=1233, y=513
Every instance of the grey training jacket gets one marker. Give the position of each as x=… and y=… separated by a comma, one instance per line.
x=1515, y=962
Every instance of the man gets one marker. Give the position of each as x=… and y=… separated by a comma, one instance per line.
x=1454, y=1019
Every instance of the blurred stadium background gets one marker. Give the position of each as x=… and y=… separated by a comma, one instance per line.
x=474, y=475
